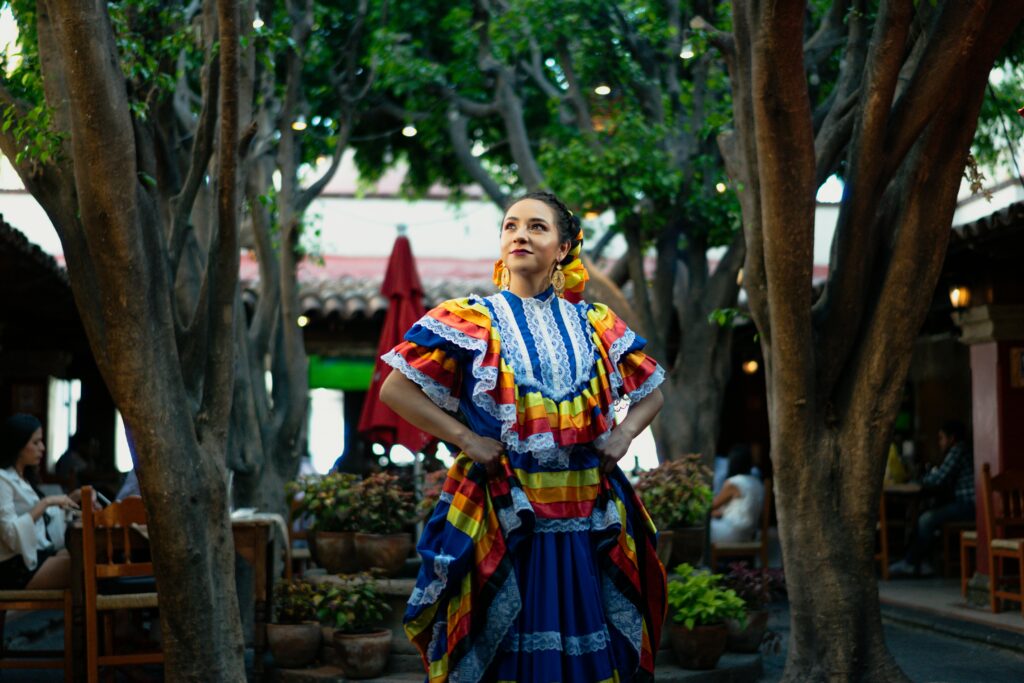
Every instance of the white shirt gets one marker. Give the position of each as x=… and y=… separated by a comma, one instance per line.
x=19, y=533
x=744, y=511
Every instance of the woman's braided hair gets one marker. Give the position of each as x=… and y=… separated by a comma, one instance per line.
x=568, y=224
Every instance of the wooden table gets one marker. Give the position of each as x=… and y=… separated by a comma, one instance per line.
x=909, y=495
x=252, y=540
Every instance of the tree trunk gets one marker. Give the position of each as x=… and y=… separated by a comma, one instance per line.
x=828, y=546
x=192, y=546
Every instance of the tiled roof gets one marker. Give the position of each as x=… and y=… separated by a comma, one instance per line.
x=14, y=241
x=1006, y=220
x=342, y=289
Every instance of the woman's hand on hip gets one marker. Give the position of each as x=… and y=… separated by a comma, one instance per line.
x=614, y=449
x=485, y=451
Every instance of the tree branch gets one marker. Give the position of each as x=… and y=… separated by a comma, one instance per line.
x=202, y=151
x=307, y=195
x=785, y=153
x=641, y=297
x=458, y=133
x=854, y=245
x=214, y=410
x=952, y=35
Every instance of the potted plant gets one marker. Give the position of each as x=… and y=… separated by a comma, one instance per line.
x=327, y=501
x=294, y=635
x=433, y=484
x=354, y=609
x=699, y=606
x=384, y=511
x=757, y=588
x=677, y=495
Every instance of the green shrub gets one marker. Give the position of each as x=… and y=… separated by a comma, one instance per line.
x=352, y=605
x=677, y=493
x=695, y=598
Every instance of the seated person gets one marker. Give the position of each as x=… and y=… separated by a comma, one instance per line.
x=74, y=468
x=956, y=473
x=32, y=527
x=736, y=510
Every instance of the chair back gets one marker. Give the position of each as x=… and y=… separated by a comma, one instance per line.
x=766, y=512
x=1003, y=498
x=107, y=538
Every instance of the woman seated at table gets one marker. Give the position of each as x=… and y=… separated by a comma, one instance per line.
x=736, y=510
x=32, y=526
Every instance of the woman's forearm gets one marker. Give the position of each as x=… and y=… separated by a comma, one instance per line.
x=642, y=413
x=405, y=397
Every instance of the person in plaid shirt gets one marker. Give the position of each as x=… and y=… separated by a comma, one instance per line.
x=956, y=473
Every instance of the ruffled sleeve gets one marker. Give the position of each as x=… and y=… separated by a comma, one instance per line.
x=437, y=348
x=631, y=373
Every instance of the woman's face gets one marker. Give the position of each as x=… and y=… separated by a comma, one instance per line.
x=32, y=453
x=530, y=242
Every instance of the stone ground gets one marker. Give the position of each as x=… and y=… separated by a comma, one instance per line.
x=926, y=655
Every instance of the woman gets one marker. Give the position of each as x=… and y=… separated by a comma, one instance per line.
x=539, y=561
x=736, y=510
x=31, y=526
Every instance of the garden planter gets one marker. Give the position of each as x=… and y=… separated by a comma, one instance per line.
x=687, y=546
x=699, y=647
x=334, y=551
x=386, y=552
x=294, y=645
x=362, y=655
x=747, y=639
x=328, y=653
x=665, y=540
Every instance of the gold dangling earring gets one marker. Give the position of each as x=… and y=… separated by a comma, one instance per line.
x=506, y=277
x=558, y=280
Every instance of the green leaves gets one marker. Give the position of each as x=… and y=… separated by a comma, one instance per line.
x=352, y=604
x=695, y=598
x=677, y=493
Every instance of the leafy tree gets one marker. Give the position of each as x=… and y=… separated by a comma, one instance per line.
x=897, y=121
x=138, y=143
x=506, y=94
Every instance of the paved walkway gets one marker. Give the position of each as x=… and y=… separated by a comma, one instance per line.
x=925, y=655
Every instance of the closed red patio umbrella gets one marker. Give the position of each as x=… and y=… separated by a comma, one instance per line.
x=402, y=287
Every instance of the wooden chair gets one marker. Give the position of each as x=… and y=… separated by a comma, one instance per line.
x=951, y=534
x=300, y=557
x=1005, y=524
x=109, y=532
x=882, y=556
x=968, y=547
x=749, y=549
x=28, y=599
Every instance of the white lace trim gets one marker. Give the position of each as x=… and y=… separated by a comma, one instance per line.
x=575, y=317
x=566, y=525
x=622, y=614
x=508, y=517
x=547, y=641
x=445, y=497
x=512, y=342
x=437, y=392
x=556, y=375
x=649, y=385
x=503, y=611
x=605, y=517
x=430, y=594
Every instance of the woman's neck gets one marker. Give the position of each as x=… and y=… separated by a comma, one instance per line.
x=20, y=469
x=525, y=286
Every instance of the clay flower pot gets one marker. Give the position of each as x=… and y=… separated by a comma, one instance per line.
x=699, y=647
x=383, y=551
x=362, y=655
x=747, y=639
x=687, y=546
x=334, y=551
x=294, y=646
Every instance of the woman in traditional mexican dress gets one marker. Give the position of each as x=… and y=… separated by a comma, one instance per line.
x=539, y=560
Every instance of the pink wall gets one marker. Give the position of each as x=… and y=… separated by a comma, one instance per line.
x=998, y=421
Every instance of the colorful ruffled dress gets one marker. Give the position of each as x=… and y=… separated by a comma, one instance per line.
x=547, y=573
